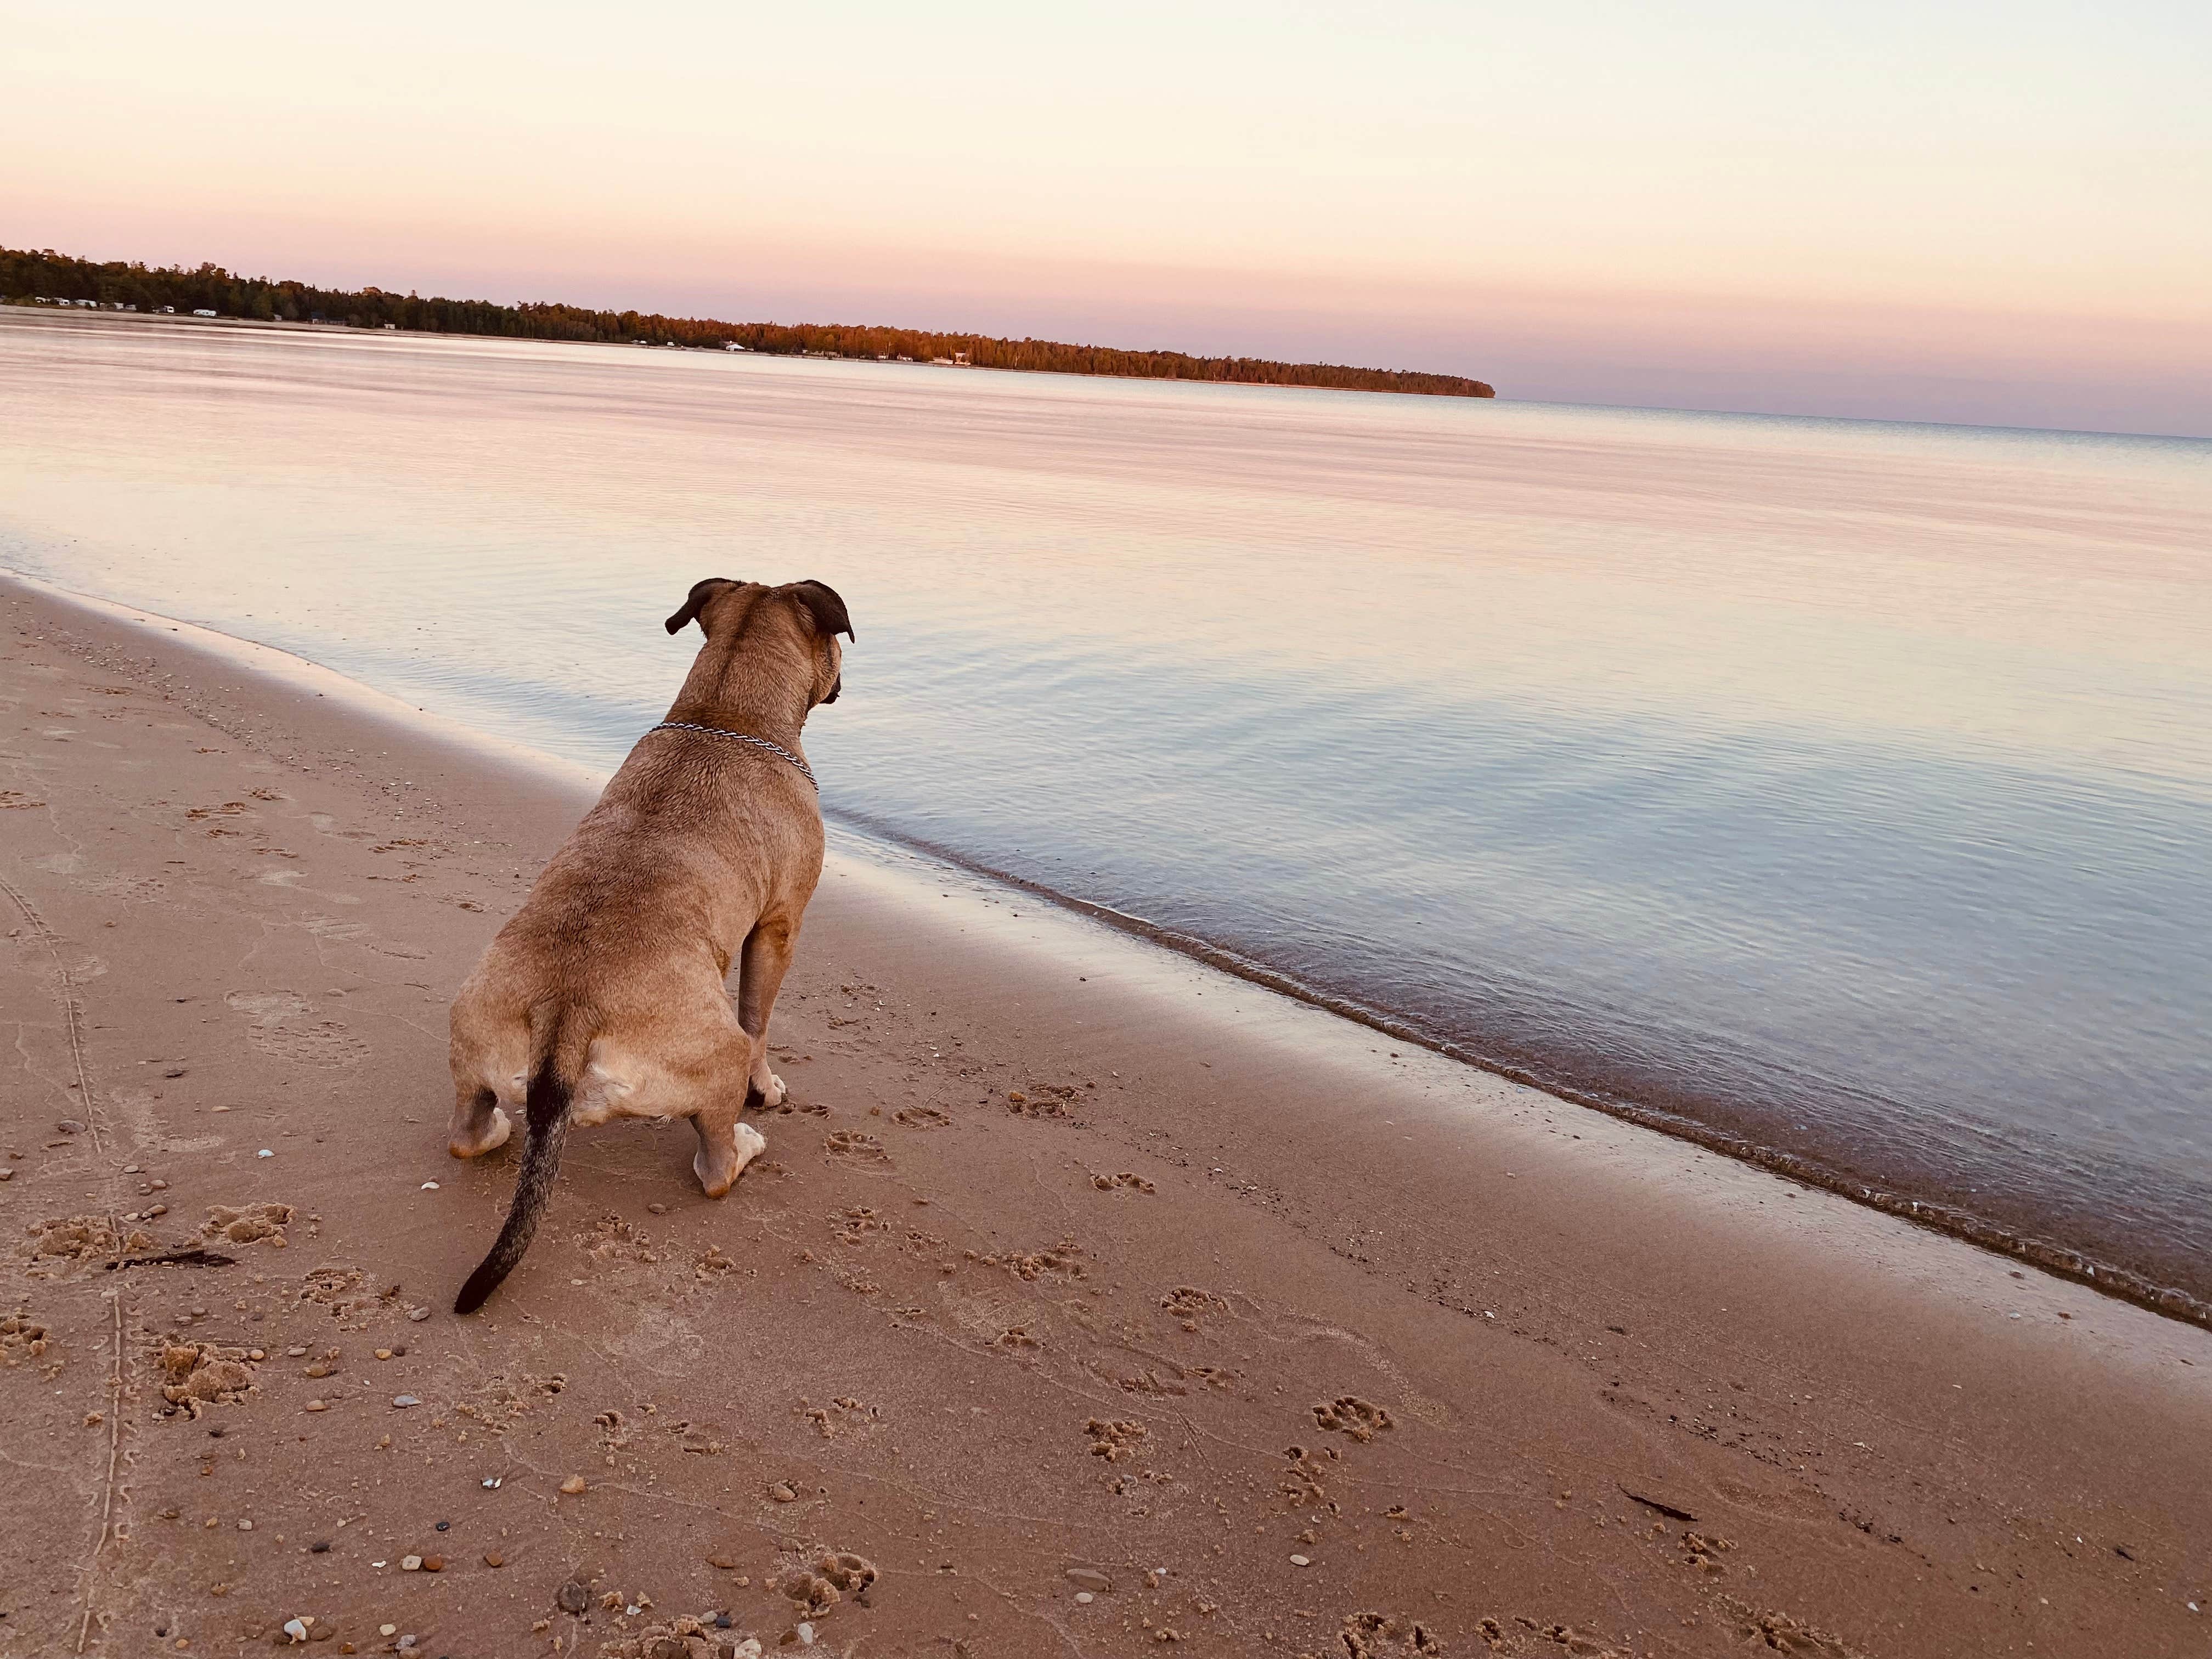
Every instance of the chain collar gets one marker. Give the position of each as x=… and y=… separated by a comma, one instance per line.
x=775, y=749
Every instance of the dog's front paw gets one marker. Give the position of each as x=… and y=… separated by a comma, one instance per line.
x=776, y=1094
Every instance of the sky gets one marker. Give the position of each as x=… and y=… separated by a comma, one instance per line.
x=1997, y=213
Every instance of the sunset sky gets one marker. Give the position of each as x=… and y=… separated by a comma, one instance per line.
x=1996, y=213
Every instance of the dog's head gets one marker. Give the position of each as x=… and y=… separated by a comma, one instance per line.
x=725, y=608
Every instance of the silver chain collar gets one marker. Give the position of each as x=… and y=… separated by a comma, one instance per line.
x=775, y=749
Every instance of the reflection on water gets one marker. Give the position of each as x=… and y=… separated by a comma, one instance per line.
x=1848, y=785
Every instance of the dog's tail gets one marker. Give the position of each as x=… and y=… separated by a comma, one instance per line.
x=546, y=1105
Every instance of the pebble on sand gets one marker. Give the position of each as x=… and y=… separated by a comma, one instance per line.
x=783, y=1492
x=1301, y=1561
x=403, y=1401
x=411, y=1564
x=573, y=1485
x=494, y=1558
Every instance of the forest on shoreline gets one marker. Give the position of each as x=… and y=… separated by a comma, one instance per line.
x=34, y=276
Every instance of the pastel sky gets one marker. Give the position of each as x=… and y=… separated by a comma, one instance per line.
x=1956, y=211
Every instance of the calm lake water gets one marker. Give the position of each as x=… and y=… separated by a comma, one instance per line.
x=1842, y=786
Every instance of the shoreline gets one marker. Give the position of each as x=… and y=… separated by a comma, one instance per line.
x=2059, y=1260
x=1039, y=1178
x=1938, y=1216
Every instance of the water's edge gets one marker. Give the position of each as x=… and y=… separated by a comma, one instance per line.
x=2062, y=1261
x=2121, y=1283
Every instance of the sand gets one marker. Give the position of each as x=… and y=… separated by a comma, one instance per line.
x=1084, y=1301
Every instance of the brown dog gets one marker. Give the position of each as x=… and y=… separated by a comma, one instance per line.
x=604, y=997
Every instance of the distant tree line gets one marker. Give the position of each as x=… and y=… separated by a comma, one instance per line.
x=26, y=275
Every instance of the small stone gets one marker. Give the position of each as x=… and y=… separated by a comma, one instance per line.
x=264, y=1152
x=132, y=1169
x=723, y=1559
x=573, y=1596
x=434, y=1564
x=295, y=1353
x=1083, y=1598
x=256, y=1355
x=158, y=1209
x=573, y=1485
x=387, y=1630
x=318, y=1406
x=245, y=1526
x=657, y=1209
x=1089, y=1579
x=411, y=1564
x=402, y=1401
x=1300, y=1561
x=444, y=1525
x=429, y=1187
x=296, y=1629
x=418, y=1315
x=805, y=1636
x=320, y=1547
x=321, y=1368
x=384, y=1353
x=494, y=1558
x=783, y=1492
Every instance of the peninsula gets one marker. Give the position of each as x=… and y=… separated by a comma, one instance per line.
x=32, y=277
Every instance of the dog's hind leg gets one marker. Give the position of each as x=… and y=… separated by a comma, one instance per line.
x=762, y=965
x=479, y=1126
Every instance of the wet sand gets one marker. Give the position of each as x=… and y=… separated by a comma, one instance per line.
x=1072, y=1270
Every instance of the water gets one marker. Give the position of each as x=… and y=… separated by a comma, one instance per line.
x=1841, y=787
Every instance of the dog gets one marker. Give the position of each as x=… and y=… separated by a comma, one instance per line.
x=605, y=995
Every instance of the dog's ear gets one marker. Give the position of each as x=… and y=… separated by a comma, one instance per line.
x=828, y=611
x=700, y=594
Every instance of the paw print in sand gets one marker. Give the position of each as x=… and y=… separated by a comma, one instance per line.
x=859, y=1147
x=1114, y=1439
x=251, y=1223
x=1351, y=1416
x=834, y=1576
x=1187, y=1302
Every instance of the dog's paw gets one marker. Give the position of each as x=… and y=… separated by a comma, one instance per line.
x=776, y=1094
x=493, y=1137
x=718, y=1171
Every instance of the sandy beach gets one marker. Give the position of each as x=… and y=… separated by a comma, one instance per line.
x=1085, y=1301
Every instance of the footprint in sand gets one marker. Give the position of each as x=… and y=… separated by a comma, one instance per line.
x=921, y=1117
x=1186, y=1302
x=1126, y=1180
x=281, y=1024
x=1352, y=1417
x=860, y=1148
